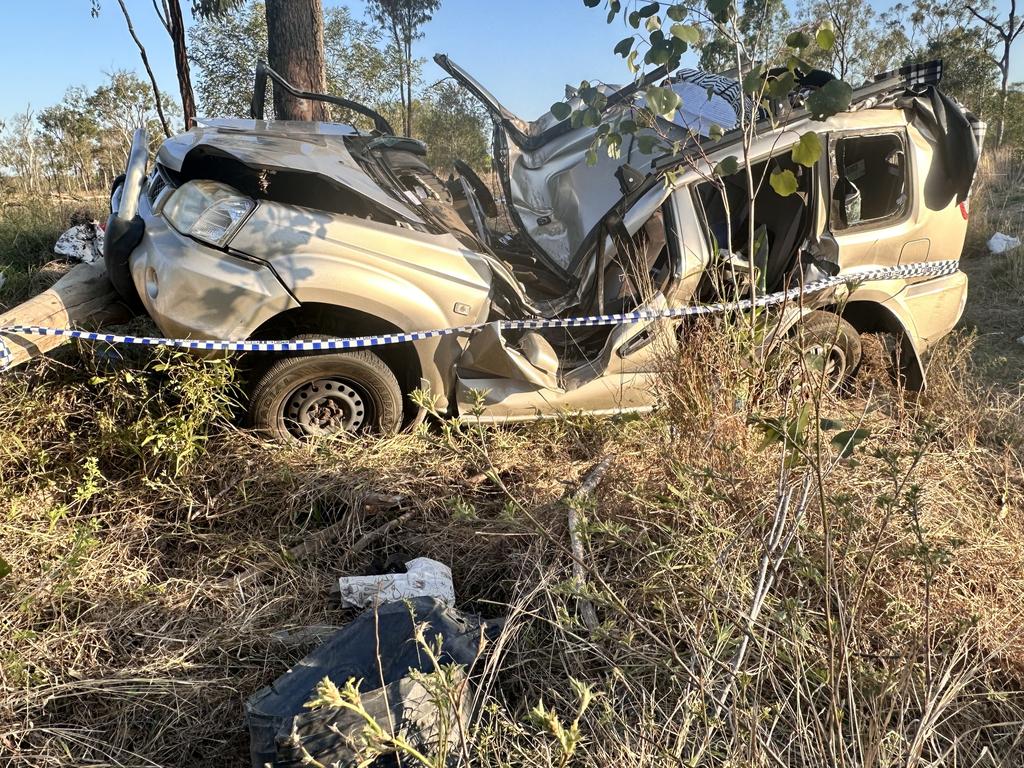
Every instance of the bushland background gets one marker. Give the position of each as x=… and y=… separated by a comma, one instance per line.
x=887, y=634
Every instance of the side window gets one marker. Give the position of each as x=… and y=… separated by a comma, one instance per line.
x=781, y=223
x=870, y=180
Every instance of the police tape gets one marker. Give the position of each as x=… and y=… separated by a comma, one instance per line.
x=922, y=269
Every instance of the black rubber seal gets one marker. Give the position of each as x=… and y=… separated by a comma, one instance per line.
x=121, y=239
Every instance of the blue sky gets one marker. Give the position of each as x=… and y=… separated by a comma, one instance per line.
x=523, y=50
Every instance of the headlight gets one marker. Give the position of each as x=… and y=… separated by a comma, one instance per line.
x=208, y=211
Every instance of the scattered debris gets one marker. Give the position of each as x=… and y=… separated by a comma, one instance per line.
x=83, y=242
x=423, y=578
x=383, y=652
x=1000, y=243
x=579, y=573
x=3, y=279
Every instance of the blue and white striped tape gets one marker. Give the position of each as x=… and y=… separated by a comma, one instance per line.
x=924, y=269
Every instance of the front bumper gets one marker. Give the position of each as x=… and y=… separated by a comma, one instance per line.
x=194, y=291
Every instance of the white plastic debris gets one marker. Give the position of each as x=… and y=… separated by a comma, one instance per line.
x=83, y=242
x=1000, y=243
x=424, y=578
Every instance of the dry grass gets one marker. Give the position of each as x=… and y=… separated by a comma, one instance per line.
x=873, y=622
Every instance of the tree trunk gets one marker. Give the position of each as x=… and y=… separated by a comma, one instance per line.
x=408, y=86
x=1004, y=90
x=295, y=33
x=176, y=29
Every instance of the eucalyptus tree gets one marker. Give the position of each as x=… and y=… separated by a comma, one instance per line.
x=1006, y=34
x=404, y=20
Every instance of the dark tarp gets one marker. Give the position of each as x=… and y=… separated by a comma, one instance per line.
x=959, y=136
x=379, y=650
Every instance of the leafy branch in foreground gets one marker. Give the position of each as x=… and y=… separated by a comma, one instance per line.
x=664, y=33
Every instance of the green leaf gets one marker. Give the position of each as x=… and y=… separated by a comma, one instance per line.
x=798, y=40
x=783, y=182
x=627, y=126
x=719, y=9
x=676, y=12
x=826, y=36
x=624, y=46
x=613, y=144
x=794, y=63
x=561, y=110
x=660, y=52
x=716, y=132
x=631, y=62
x=591, y=3
x=832, y=98
x=753, y=80
x=846, y=442
x=649, y=10
x=686, y=33
x=728, y=166
x=653, y=23
x=663, y=101
x=830, y=425
x=646, y=143
x=781, y=86
x=807, y=151
x=5, y=568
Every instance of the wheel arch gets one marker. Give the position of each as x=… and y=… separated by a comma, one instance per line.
x=868, y=316
x=329, y=320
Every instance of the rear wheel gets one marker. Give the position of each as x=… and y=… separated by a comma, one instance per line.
x=298, y=398
x=824, y=345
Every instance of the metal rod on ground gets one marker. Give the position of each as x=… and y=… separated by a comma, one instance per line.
x=586, y=490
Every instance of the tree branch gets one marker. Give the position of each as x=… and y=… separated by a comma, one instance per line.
x=149, y=69
x=986, y=20
x=162, y=15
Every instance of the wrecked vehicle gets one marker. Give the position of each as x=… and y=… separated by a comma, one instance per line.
x=268, y=230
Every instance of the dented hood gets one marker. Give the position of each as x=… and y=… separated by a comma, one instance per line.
x=317, y=148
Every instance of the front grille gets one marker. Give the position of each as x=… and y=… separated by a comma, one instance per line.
x=158, y=187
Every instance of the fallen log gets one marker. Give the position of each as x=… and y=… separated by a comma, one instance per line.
x=84, y=297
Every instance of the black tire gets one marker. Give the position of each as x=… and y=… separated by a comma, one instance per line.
x=828, y=336
x=309, y=396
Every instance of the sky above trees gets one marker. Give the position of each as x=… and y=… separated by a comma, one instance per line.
x=524, y=61
x=525, y=51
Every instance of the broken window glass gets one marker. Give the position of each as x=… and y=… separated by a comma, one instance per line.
x=870, y=184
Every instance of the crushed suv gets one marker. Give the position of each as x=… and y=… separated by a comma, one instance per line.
x=263, y=230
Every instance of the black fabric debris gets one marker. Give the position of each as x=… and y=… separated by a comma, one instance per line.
x=958, y=137
x=378, y=649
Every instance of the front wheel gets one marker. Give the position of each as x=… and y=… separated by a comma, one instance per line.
x=299, y=398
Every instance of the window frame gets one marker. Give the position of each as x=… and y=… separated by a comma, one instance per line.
x=894, y=219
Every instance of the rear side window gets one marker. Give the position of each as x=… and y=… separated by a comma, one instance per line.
x=870, y=181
